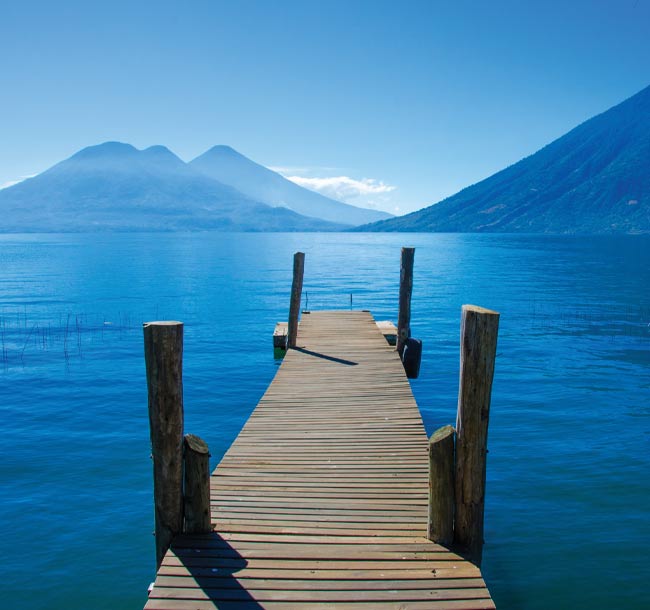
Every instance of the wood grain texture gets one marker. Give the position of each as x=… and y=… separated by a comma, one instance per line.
x=196, y=494
x=479, y=329
x=280, y=335
x=321, y=501
x=163, y=352
x=405, y=291
x=441, y=486
x=296, y=296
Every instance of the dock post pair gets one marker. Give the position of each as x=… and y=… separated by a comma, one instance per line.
x=457, y=474
x=404, y=313
x=181, y=469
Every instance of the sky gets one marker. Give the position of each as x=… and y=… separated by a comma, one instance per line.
x=392, y=105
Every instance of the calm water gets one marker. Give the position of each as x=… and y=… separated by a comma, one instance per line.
x=568, y=497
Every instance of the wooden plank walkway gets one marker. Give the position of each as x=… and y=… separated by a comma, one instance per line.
x=321, y=501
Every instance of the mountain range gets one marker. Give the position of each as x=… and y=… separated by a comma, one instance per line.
x=594, y=179
x=116, y=187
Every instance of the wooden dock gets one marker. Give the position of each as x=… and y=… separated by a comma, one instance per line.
x=321, y=501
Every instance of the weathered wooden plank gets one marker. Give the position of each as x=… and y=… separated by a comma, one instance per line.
x=314, y=545
x=330, y=553
x=252, y=584
x=309, y=564
x=459, y=571
x=324, y=528
x=325, y=539
x=251, y=604
x=388, y=330
x=317, y=595
x=280, y=335
x=331, y=507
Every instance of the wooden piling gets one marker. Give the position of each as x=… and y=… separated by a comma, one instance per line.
x=296, y=295
x=441, y=486
x=479, y=329
x=197, y=485
x=163, y=352
x=405, y=291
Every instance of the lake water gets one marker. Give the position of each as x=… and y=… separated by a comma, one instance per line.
x=568, y=491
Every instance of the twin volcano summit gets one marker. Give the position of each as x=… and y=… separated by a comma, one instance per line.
x=116, y=187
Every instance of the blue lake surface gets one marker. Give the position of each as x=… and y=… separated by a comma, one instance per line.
x=568, y=491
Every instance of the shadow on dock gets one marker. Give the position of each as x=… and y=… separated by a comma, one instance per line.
x=206, y=560
x=302, y=350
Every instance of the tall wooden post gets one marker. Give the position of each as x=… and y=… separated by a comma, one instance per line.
x=296, y=295
x=163, y=352
x=441, y=486
x=405, y=290
x=197, y=485
x=479, y=329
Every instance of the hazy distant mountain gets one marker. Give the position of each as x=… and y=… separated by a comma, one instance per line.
x=116, y=187
x=594, y=179
x=230, y=167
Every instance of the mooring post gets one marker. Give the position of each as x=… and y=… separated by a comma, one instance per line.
x=441, y=486
x=479, y=329
x=163, y=352
x=197, y=485
x=405, y=291
x=296, y=295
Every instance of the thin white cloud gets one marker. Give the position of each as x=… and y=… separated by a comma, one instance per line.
x=287, y=170
x=344, y=187
x=6, y=185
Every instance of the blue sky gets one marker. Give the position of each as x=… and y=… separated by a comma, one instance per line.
x=388, y=104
